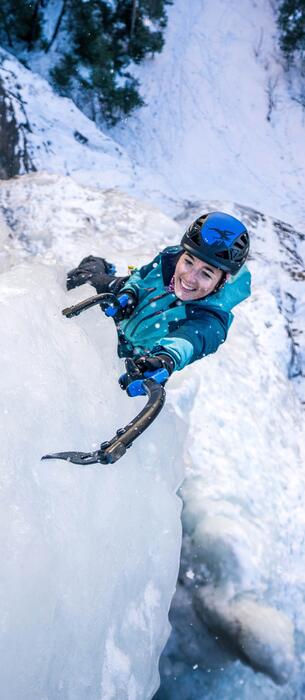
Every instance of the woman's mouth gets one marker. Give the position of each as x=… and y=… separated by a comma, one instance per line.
x=186, y=287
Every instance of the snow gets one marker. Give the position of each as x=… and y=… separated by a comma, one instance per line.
x=51, y=136
x=61, y=139
x=55, y=215
x=219, y=122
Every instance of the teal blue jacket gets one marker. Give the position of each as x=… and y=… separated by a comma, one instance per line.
x=184, y=330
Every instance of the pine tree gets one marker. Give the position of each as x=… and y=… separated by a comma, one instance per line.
x=21, y=21
x=104, y=36
x=291, y=22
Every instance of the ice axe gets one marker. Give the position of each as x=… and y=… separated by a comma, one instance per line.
x=111, y=450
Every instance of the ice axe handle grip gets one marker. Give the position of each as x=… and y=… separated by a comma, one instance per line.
x=103, y=299
x=112, y=310
x=136, y=388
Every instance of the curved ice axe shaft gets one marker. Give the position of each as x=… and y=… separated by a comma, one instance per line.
x=115, y=448
x=105, y=298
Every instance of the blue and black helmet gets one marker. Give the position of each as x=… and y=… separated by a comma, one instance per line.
x=218, y=239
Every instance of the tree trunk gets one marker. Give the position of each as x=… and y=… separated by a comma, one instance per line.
x=57, y=25
x=133, y=18
x=15, y=156
x=35, y=19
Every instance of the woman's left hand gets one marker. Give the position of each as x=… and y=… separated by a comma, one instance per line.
x=143, y=365
x=150, y=363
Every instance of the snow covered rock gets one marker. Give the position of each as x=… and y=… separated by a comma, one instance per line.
x=258, y=634
x=15, y=157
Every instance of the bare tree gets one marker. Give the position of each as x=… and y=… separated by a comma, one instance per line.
x=34, y=23
x=133, y=18
x=270, y=90
x=258, y=45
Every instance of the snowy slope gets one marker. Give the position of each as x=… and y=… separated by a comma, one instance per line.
x=59, y=138
x=208, y=127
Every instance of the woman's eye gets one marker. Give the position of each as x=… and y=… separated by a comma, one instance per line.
x=205, y=274
x=189, y=262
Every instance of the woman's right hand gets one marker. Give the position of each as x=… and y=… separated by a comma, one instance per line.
x=89, y=270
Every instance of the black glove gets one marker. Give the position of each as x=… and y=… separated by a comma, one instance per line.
x=147, y=363
x=150, y=363
x=91, y=270
x=127, y=300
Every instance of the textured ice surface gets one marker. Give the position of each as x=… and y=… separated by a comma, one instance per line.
x=242, y=568
x=89, y=555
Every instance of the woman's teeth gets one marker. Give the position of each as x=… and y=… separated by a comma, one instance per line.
x=186, y=287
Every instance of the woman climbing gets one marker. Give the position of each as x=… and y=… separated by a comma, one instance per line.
x=178, y=307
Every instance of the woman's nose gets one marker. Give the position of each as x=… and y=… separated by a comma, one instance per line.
x=191, y=276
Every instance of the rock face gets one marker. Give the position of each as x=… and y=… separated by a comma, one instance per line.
x=15, y=158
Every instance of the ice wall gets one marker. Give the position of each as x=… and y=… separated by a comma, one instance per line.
x=89, y=555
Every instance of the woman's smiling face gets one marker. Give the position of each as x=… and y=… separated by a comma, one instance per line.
x=194, y=278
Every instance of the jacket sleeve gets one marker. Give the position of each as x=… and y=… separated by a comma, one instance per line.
x=194, y=339
x=136, y=281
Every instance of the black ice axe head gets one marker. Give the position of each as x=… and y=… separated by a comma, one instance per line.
x=114, y=449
